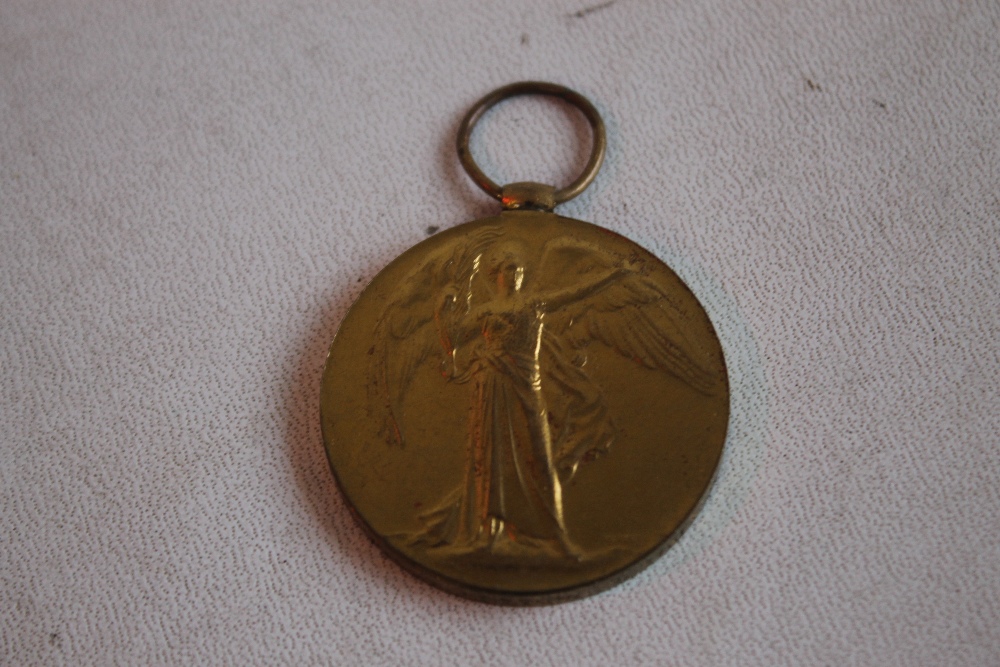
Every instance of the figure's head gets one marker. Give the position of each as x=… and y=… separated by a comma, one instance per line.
x=506, y=266
x=510, y=276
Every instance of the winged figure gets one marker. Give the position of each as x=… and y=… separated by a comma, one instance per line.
x=520, y=346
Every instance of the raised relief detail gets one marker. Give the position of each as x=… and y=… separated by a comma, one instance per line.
x=513, y=324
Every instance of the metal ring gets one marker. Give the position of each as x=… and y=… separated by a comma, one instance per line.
x=533, y=88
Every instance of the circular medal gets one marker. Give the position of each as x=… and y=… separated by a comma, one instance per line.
x=526, y=408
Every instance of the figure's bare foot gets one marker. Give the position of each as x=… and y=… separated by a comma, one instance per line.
x=569, y=549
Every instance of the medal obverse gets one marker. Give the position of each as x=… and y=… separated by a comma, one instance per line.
x=526, y=408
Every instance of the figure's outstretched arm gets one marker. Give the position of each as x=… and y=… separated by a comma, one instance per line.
x=559, y=298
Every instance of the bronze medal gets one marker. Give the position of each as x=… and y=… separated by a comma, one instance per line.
x=526, y=408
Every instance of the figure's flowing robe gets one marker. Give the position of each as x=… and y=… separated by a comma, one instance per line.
x=534, y=415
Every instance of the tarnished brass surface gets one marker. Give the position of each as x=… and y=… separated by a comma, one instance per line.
x=523, y=406
x=526, y=408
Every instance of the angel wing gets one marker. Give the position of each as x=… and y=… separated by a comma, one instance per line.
x=629, y=313
x=416, y=326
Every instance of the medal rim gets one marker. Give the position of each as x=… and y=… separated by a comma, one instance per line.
x=499, y=596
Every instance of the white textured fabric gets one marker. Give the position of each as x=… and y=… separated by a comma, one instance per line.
x=192, y=193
